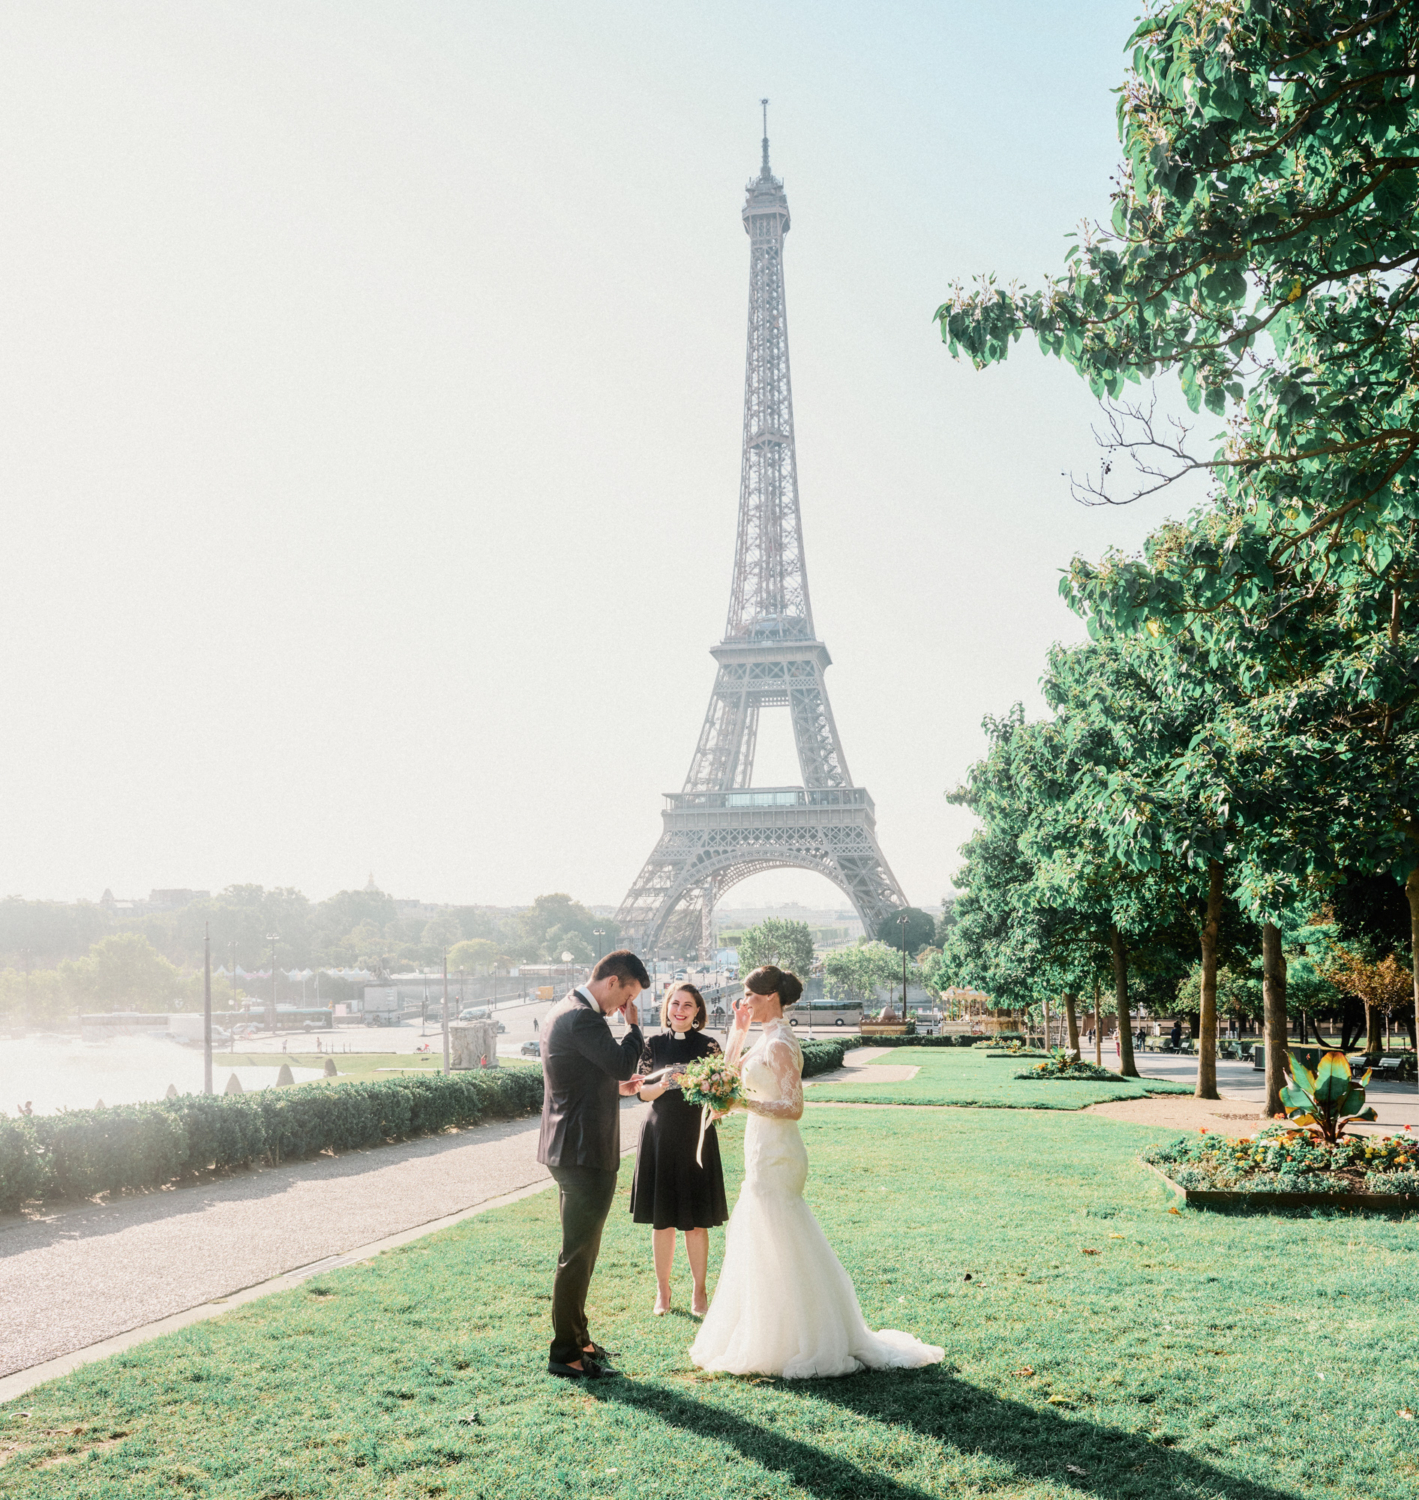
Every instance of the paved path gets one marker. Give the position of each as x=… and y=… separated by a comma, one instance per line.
x=90, y=1271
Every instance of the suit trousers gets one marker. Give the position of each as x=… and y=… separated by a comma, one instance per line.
x=585, y=1197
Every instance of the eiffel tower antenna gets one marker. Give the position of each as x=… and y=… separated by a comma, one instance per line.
x=721, y=828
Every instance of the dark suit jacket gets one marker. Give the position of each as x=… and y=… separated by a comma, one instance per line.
x=581, y=1065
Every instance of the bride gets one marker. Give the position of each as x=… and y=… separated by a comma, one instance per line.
x=784, y=1305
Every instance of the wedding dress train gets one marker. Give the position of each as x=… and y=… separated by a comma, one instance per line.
x=784, y=1305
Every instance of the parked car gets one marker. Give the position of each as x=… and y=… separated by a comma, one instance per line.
x=474, y=1013
x=531, y=1049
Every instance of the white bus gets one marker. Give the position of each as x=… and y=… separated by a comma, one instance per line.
x=813, y=1014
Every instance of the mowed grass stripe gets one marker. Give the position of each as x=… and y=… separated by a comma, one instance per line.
x=1181, y=1360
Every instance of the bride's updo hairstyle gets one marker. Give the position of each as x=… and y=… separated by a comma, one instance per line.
x=769, y=979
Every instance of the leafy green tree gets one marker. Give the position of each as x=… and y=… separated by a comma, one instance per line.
x=332, y=922
x=856, y=972
x=921, y=929
x=476, y=955
x=555, y=924
x=123, y=972
x=777, y=941
x=40, y=933
x=1264, y=249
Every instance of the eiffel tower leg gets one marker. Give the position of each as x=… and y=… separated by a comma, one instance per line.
x=707, y=922
x=820, y=753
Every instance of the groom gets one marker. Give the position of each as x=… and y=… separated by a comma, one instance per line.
x=584, y=1071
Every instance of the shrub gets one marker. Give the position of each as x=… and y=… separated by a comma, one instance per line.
x=79, y=1153
x=22, y=1166
x=223, y=1130
x=821, y=1057
x=92, y=1151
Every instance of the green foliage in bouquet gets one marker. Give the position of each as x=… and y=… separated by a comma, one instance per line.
x=1064, y=1064
x=1326, y=1101
x=710, y=1080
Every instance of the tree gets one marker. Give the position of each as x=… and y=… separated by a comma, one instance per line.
x=777, y=941
x=855, y=972
x=334, y=920
x=555, y=924
x=1270, y=193
x=477, y=955
x=1380, y=984
x=921, y=929
x=245, y=914
x=38, y=934
x=122, y=972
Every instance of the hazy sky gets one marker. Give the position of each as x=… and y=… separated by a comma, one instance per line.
x=370, y=395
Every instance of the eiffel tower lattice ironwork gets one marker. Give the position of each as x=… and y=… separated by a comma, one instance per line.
x=721, y=828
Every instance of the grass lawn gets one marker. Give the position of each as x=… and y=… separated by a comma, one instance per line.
x=1182, y=1361
x=363, y=1066
x=964, y=1075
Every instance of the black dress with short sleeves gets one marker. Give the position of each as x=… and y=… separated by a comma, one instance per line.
x=669, y=1191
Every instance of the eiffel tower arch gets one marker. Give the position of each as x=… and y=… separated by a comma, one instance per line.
x=721, y=828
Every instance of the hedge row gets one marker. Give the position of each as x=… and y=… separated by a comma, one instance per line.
x=821, y=1057
x=81, y=1152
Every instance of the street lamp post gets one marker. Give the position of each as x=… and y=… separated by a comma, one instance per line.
x=598, y=933
x=902, y=923
x=445, y=1011
x=207, y=1009
x=272, y=938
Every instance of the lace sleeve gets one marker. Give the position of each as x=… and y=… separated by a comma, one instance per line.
x=782, y=1056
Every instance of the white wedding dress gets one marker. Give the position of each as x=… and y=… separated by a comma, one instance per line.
x=783, y=1304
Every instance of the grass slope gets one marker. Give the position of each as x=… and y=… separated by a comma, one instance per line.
x=1178, y=1362
x=965, y=1076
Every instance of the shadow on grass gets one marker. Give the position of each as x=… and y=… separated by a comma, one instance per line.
x=1036, y=1445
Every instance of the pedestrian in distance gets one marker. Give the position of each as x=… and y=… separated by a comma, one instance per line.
x=584, y=1073
x=672, y=1191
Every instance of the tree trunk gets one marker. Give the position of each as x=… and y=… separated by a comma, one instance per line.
x=1411, y=889
x=1098, y=1029
x=1125, y=1021
x=1273, y=992
x=1072, y=1022
x=1207, y=1036
x=1374, y=1040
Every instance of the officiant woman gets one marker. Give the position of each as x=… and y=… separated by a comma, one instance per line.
x=671, y=1191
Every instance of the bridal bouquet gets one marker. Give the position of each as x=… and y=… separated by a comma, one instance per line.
x=712, y=1084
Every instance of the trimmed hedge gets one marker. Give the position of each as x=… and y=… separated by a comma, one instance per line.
x=821, y=1057
x=78, y=1153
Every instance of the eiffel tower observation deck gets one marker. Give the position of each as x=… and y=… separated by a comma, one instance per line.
x=721, y=828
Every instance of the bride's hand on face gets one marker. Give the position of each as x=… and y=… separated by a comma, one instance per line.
x=741, y=1016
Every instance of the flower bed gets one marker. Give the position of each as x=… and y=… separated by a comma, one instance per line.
x=1060, y=1064
x=78, y=1153
x=1281, y=1163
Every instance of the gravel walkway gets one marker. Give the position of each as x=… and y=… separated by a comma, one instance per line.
x=92, y=1271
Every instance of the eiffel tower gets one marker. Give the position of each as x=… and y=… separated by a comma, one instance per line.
x=721, y=828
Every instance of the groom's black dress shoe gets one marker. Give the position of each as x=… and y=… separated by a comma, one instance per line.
x=596, y=1352
x=590, y=1369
